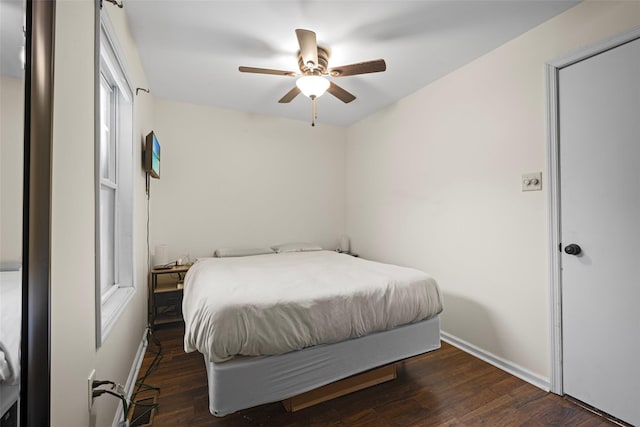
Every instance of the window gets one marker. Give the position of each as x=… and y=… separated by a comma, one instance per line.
x=114, y=186
x=108, y=191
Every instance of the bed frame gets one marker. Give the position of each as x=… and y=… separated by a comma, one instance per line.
x=341, y=388
x=244, y=382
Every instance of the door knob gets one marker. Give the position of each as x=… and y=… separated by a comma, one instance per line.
x=573, y=249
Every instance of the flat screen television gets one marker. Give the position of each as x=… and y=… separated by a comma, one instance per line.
x=152, y=155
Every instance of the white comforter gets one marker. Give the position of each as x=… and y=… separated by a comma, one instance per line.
x=273, y=304
x=10, y=318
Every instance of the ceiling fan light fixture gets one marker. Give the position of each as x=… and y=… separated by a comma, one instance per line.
x=312, y=86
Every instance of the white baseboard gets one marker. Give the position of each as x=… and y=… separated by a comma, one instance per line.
x=133, y=374
x=498, y=362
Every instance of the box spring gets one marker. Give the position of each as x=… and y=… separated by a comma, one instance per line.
x=244, y=382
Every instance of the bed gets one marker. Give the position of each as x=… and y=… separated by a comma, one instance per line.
x=274, y=326
x=10, y=318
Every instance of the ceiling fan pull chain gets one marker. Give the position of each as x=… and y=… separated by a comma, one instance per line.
x=314, y=111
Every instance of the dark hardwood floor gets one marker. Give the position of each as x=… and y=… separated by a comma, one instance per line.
x=444, y=387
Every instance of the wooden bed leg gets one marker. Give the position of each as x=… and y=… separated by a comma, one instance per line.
x=341, y=387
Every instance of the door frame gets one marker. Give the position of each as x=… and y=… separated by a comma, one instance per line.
x=35, y=367
x=552, y=69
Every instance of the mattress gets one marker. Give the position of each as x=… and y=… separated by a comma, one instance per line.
x=245, y=382
x=10, y=318
x=9, y=395
x=277, y=303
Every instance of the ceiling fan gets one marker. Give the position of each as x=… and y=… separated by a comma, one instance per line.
x=313, y=61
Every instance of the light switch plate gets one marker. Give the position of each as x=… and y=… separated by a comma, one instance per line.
x=532, y=181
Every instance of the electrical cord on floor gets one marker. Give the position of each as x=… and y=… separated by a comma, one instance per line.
x=139, y=403
x=154, y=347
x=121, y=394
x=154, y=364
x=150, y=407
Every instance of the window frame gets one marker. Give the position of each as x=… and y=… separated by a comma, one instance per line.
x=110, y=181
x=110, y=68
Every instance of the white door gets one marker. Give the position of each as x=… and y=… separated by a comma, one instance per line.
x=599, y=124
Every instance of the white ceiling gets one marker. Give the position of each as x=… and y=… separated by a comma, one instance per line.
x=191, y=49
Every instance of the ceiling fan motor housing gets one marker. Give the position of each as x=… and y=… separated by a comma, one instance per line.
x=321, y=66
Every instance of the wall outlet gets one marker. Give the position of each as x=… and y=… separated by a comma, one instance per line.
x=92, y=376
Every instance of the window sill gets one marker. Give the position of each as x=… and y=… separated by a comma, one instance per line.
x=113, y=308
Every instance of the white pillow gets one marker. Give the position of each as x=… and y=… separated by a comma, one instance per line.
x=231, y=252
x=296, y=247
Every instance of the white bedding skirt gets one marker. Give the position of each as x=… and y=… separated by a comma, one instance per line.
x=244, y=382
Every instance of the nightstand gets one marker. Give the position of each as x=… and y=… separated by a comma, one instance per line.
x=165, y=294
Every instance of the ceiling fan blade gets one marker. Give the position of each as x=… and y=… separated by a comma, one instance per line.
x=308, y=47
x=374, y=66
x=340, y=93
x=290, y=95
x=266, y=71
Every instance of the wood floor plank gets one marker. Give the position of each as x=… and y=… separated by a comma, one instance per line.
x=446, y=387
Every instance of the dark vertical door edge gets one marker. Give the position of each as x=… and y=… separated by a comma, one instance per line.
x=35, y=379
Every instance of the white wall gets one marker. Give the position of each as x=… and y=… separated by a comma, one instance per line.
x=434, y=182
x=231, y=179
x=73, y=350
x=11, y=155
